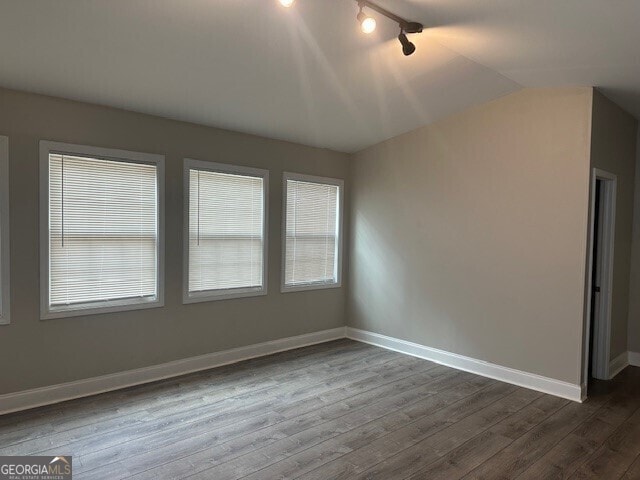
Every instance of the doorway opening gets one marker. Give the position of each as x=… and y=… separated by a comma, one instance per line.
x=600, y=278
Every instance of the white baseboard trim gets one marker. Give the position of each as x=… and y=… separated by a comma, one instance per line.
x=618, y=364
x=551, y=386
x=37, y=397
x=634, y=359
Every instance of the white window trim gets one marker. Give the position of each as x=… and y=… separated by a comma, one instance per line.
x=5, y=254
x=284, y=288
x=47, y=147
x=224, y=294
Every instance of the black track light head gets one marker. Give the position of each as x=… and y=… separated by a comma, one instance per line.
x=407, y=47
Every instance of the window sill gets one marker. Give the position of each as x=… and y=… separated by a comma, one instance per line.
x=309, y=286
x=215, y=295
x=48, y=313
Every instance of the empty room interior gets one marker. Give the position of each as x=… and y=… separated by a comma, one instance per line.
x=319, y=239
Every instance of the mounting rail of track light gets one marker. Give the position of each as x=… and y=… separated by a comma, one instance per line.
x=368, y=24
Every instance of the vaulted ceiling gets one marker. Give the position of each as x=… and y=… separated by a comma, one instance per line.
x=307, y=74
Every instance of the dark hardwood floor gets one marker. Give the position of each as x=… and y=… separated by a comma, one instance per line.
x=340, y=410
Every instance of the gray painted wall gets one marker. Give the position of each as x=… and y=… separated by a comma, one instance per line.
x=36, y=353
x=613, y=149
x=633, y=341
x=469, y=235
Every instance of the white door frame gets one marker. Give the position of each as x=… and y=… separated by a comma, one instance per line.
x=602, y=321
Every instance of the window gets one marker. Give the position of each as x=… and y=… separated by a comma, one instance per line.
x=225, y=235
x=5, y=295
x=312, y=241
x=101, y=230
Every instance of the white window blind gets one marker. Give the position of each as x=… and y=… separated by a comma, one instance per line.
x=226, y=232
x=103, y=231
x=312, y=233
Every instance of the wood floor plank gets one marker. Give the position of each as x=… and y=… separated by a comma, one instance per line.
x=284, y=361
x=237, y=439
x=572, y=451
x=415, y=457
x=88, y=410
x=226, y=452
x=433, y=415
x=283, y=419
x=233, y=409
x=425, y=422
x=218, y=398
x=633, y=472
x=226, y=381
x=526, y=450
x=459, y=461
x=341, y=410
x=613, y=459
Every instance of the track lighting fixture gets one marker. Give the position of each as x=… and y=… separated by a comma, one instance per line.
x=407, y=47
x=368, y=24
x=405, y=26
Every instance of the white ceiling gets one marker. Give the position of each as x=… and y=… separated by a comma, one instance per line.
x=307, y=74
